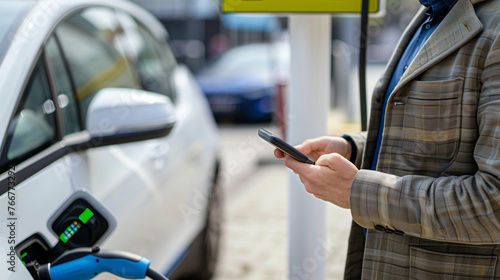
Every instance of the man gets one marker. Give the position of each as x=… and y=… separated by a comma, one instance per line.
x=426, y=201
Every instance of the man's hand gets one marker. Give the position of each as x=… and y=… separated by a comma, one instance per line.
x=332, y=176
x=330, y=179
x=316, y=147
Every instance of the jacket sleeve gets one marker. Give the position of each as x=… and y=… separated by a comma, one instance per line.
x=463, y=209
x=357, y=141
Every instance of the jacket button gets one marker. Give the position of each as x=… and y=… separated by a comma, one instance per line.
x=380, y=228
x=388, y=230
x=398, y=232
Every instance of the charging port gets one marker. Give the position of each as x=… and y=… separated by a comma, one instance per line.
x=80, y=225
x=33, y=252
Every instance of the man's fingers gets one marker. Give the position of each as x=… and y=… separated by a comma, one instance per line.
x=297, y=167
x=331, y=160
x=304, y=148
x=278, y=153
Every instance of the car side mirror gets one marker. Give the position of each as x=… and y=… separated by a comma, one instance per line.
x=122, y=115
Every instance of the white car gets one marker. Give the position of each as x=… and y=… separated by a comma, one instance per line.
x=94, y=106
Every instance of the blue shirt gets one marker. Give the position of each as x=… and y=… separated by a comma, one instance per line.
x=438, y=9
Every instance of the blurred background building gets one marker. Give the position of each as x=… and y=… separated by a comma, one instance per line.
x=199, y=31
x=200, y=34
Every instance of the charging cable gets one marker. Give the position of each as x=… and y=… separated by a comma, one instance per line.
x=363, y=42
x=87, y=263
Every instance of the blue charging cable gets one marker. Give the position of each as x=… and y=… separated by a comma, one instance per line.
x=87, y=263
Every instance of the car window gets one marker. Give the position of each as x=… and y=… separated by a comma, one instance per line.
x=33, y=127
x=92, y=41
x=65, y=96
x=155, y=60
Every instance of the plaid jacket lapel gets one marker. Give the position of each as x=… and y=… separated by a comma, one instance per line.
x=457, y=28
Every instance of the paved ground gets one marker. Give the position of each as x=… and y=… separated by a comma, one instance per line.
x=255, y=231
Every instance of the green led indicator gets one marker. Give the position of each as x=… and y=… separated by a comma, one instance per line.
x=86, y=215
x=76, y=225
x=24, y=256
x=63, y=237
x=70, y=231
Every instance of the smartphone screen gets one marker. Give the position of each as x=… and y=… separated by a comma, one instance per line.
x=284, y=147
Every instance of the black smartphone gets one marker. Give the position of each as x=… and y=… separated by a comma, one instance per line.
x=284, y=147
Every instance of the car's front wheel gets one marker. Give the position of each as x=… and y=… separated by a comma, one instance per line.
x=211, y=234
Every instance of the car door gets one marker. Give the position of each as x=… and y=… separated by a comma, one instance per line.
x=143, y=184
x=92, y=43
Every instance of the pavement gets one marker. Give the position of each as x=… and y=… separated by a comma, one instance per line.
x=254, y=241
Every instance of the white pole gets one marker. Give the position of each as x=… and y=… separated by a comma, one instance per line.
x=308, y=106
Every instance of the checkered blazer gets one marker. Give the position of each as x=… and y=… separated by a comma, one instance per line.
x=432, y=208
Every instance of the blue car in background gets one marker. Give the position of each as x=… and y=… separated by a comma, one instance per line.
x=241, y=85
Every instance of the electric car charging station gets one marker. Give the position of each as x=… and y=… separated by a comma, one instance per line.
x=76, y=233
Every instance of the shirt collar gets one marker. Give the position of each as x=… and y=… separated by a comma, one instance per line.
x=438, y=8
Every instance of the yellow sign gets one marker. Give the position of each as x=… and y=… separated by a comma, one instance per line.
x=297, y=6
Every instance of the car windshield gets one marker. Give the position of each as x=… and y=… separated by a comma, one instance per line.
x=11, y=16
